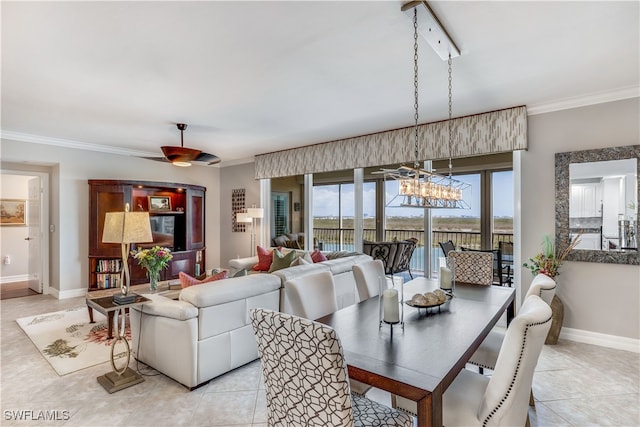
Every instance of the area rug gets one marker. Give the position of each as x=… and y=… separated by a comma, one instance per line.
x=68, y=341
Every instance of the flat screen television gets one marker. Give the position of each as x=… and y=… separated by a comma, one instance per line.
x=163, y=229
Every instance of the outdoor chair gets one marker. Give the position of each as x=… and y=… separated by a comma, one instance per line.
x=447, y=247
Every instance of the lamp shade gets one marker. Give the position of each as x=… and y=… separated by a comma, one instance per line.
x=255, y=212
x=243, y=217
x=127, y=227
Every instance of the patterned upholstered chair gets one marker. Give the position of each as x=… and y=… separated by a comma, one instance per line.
x=367, y=276
x=306, y=376
x=500, y=400
x=471, y=267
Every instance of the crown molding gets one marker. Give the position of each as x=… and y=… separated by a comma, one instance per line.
x=76, y=145
x=585, y=100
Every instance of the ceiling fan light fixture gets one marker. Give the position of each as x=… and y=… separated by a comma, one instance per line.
x=183, y=156
x=181, y=164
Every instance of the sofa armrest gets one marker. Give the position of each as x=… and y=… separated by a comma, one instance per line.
x=164, y=307
x=227, y=290
x=239, y=264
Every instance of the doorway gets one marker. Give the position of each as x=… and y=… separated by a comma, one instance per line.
x=24, y=249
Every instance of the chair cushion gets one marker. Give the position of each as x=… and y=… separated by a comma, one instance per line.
x=280, y=260
x=186, y=280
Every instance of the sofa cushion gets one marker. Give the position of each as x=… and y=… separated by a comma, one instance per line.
x=226, y=290
x=280, y=260
x=186, y=280
x=265, y=258
x=318, y=256
x=161, y=306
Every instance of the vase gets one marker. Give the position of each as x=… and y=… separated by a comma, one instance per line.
x=557, y=315
x=154, y=277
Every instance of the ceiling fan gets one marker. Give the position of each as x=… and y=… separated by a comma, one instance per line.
x=182, y=156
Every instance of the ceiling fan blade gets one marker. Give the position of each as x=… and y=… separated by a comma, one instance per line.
x=157, y=159
x=208, y=158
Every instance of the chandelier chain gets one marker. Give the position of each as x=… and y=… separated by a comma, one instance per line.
x=415, y=82
x=450, y=117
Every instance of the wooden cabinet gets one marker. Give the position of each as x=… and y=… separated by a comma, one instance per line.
x=177, y=218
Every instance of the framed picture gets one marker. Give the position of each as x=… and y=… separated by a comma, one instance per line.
x=13, y=212
x=159, y=203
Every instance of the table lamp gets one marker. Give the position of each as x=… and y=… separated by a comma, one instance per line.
x=126, y=228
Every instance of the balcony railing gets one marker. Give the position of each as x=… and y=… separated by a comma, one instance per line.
x=334, y=239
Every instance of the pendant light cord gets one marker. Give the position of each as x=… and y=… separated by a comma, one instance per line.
x=450, y=122
x=415, y=83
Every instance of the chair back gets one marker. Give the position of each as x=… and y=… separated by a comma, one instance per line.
x=404, y=252
x=312, y=296
x=447, y=247
x=498, y=277
x=384, y=251
x=473, y=267
x=368, y=275
x=506, y=398
x=304, y=371
x=543, y=286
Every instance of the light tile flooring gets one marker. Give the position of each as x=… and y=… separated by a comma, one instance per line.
x=574, y=385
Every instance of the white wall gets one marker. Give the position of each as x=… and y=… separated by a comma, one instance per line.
x=598, y=297
x=12, y=238
x=235, y=243
x=70, y=201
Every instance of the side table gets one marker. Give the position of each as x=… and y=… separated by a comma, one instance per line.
x=124, y=377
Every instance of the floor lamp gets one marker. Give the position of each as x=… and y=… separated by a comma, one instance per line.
x=245, y=218
x=126, y=228
x=254, y=213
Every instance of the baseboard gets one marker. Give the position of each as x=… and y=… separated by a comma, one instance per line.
x=12, y=279
x=73, y=293
x=603, y=340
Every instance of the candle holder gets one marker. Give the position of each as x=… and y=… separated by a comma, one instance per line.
x=447, y=274
x=391, y=308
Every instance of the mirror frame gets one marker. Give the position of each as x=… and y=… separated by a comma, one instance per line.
x=563, y=189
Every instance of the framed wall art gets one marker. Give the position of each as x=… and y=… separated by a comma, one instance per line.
x=13, y=212
x=159, y=203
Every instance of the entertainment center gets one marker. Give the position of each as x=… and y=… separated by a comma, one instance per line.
x=176, y=212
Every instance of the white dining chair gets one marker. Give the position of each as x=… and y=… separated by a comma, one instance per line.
x=305, y=376
x=473, y=399
x=368, y=276
x=313, y=296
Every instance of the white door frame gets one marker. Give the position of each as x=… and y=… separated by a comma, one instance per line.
x=44, y=221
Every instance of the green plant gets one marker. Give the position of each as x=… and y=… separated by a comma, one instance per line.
x=548, y=261
x=153, y=259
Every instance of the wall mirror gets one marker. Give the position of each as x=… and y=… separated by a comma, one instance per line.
x=597, y=192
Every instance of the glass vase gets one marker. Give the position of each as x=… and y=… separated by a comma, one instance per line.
x=154, y=277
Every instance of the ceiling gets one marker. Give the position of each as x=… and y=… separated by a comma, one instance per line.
x=256, y=77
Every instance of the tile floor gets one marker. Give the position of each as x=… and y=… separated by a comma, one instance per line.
x=574, y=385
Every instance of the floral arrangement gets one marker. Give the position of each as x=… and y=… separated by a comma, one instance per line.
x=548, y=261
x=153, y=259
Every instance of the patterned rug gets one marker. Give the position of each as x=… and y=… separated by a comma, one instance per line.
x=68, y=341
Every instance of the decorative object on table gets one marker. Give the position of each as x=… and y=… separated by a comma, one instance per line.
x=68, y=341
x=418, y=187
x=126, y=228
x=390, y=300
x=429, y=300
x=13, y=212
x=447, y=274
x=548, y=262
x=237, y=206
x=154, y=260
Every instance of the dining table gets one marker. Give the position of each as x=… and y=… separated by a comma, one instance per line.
x=422, y=356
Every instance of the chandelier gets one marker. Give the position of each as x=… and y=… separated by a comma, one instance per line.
x=420, y=188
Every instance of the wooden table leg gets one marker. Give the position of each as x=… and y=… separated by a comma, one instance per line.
x=90, y=314
x=110, y=323
x=430, y=411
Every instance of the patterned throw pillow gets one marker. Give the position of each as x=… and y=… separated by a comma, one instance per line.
x=186, y=280
x=265, y=257
x=318, y=256
x=281, y=260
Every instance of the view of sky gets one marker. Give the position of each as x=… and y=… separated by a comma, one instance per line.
x=325, y=199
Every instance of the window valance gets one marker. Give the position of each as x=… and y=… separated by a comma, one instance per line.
x=487, y=133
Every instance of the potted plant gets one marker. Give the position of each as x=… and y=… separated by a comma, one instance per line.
x=154, y=260
x=548, y=262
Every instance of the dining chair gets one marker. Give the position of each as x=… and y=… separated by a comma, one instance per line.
x=367, y=276
x=447, y=247
x=473, y=399
x=499, y=277
x=506, y=248
x=471, y=267
x=313, y=296
x=305, y=376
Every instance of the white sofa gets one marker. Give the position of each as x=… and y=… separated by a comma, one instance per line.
x=341, y=268
x=205, y=333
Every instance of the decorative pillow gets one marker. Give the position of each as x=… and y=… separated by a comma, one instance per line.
x=302, y=260
x=281, y=260
x=186, y=280
x=318, y=256
x=265, y=258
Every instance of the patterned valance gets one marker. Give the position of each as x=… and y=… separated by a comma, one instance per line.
x=479, y=134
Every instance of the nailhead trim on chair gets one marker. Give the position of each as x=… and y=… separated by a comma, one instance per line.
x=513, y=379
x=545, y=289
